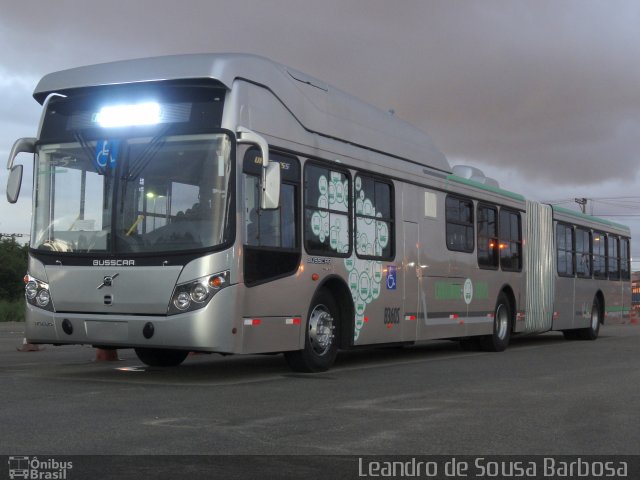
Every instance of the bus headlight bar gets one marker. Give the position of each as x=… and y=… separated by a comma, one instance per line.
x=37, y=293
x=149, y=113
x=198, y=293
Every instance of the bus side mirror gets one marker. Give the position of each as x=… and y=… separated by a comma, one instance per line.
x=270, y=188
x=270, y=197
x=14, y=183
x=22, y=145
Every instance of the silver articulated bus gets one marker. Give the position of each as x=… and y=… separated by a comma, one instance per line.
x=226, y=203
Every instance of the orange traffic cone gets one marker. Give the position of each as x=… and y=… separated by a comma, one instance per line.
x=28, y=347
x=106, y=354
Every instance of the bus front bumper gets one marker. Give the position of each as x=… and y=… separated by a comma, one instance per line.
x=210, y=329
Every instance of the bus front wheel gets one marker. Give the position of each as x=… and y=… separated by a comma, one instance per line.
x=161, y=357
x=320, y=341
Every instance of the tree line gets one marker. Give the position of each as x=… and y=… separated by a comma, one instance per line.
x=13, y=267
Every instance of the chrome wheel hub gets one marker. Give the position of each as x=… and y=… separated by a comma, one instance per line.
x=321, y=330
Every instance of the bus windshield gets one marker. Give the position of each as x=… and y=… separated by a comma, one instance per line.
x=143, y=194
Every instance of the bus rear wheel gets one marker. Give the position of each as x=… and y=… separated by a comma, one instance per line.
x=571, y=334
x=320, y=342
x=470, y=344
x=592, y=331
x=499, y=339
x=161, y=357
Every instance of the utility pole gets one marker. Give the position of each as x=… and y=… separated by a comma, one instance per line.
x=583, y=204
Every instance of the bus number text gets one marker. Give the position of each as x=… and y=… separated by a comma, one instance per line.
x=391, y=315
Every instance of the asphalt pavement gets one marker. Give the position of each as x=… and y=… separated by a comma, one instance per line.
x=544, y=395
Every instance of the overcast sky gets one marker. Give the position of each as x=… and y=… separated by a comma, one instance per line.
x=542, y=95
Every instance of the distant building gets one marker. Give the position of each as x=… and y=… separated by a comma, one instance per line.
x=635, y=291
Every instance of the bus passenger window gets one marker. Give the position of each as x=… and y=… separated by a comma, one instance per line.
x=459, y=228
x=510, y=240
x=614, y=258
x=270, y=236
x=374, y=218
x=262, y=227
x=599, y=255
x=487, y=237
x=327, y=223
x=269, y=228
x=625, y=267
x=583, y=253
x=252, y=228
x=564, y=246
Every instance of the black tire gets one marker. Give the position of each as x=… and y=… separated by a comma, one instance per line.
x=502, y=320
x=470, y=344
x=161, y=357
x=320, y=340
x=570, y=334
x=592, y=331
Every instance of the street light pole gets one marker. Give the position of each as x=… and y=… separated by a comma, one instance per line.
x=154, y=197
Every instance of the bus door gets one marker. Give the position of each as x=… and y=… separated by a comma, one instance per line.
x=413, y=313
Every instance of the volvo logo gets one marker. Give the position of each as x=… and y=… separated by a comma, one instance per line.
x=107, y=281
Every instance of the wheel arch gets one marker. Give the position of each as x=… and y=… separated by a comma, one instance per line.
x=339, y=290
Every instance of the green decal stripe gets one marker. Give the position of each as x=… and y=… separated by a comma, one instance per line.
x=448, y=291
x=617, y=309
x=480, y=291
x=591, y=218
x=453, y=291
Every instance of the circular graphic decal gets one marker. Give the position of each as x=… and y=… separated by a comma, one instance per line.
x=322, y=185
x=316, y=223
x=468, y=291
x=364, y=286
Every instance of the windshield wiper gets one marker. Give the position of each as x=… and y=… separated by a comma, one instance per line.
x=136, y=167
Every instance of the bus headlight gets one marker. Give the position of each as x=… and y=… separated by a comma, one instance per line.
x=198, y=293
x=43, y=298
x=182, y=301
x=31, y=289
x=37, y=293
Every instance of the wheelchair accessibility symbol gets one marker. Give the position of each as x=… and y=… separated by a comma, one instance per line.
x=391, y=277
x=107, y=153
